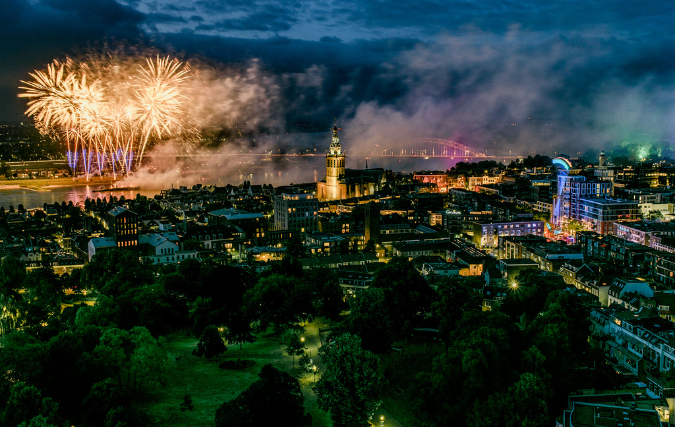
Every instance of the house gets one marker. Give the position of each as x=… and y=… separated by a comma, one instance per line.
x=511, y=268
x=665, y=304
x=100, y=244
x=493, y=277
x=442, y=269
x=623, y=286
x=352, y=281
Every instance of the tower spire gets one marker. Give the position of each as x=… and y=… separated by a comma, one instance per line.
x=335, y=147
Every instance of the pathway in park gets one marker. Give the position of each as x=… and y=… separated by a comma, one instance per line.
x=313, y=340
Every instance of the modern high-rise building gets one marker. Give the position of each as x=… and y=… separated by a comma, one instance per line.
x=571, y=189
x=296, y=212
x=123, y=227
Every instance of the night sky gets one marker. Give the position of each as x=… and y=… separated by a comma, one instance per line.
x=574, y=74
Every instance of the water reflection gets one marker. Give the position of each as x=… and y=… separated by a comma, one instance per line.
x=307, y=171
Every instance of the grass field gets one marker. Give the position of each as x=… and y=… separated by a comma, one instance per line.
x=210, y=386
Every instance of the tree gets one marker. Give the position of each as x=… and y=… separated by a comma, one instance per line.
x=342, y=248
x=38, y=421
x=327, y=293
x=349, y=388
x=294, y=347
x=370, y=320
x=408, y=296
x=190, y=245
x=479, y=360
x=45, y=293
x=238, y=328
x=201, y=314
x=104, y=396
x=133, y=358
x=5, y=170
x=295, y=248
x=210, y=343
x=524, y=404
x=187, y=404
x=280, y=301
x=654, y=215
x=456, y=299
x=274, y=399
x=113, y=273
x=40, y=215
x=25, y=403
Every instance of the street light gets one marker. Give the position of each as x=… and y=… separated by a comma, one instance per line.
x=381, y=420
x=314, y=367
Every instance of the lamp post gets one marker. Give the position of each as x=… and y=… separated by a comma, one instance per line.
x=314, y=368
x=381, y=420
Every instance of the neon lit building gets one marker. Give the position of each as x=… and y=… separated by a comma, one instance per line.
x=571, y=189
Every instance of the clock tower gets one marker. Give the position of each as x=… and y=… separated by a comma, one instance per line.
x=335, y=167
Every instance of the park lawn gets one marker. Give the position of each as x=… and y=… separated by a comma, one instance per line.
x=210, y=386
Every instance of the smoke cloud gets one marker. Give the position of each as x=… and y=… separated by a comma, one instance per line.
x=519, y=91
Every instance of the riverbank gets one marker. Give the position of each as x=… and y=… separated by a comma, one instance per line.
x=44, y=184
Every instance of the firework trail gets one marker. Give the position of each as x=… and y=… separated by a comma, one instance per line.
x=107, y=111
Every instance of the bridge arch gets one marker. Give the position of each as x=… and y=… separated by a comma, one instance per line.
x=430, y=147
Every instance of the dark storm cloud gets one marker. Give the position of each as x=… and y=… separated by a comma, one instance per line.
x=329, y=39
x=520, y=73
x=258, y=21
x=165, y=18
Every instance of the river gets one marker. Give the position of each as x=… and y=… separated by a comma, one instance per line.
x=309, y=170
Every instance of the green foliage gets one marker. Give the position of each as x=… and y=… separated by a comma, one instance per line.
x=408, y=296
x=104, y=396
x=457, y=297
x=370, y=320
x=133, y=358
x=654, y=215
x=529, y=297
x=202, y=314
x=210, y=343
x=480, y=360
x=38, y=421
x=350, y=386
x=523, y=404
x=115, y=272
x=26, y=403
x=239, y=329
x=275, y=399
x=326, y=292
x=187, y=404
x=294, y=346
x=295, y=248
x=190, y=245
x=280, y=301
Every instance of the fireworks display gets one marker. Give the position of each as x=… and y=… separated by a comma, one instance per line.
x=107, y=111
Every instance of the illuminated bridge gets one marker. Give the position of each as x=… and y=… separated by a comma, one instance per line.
x=429, y=147
x=422, y=147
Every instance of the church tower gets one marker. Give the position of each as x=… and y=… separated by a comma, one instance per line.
x=335, y=167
